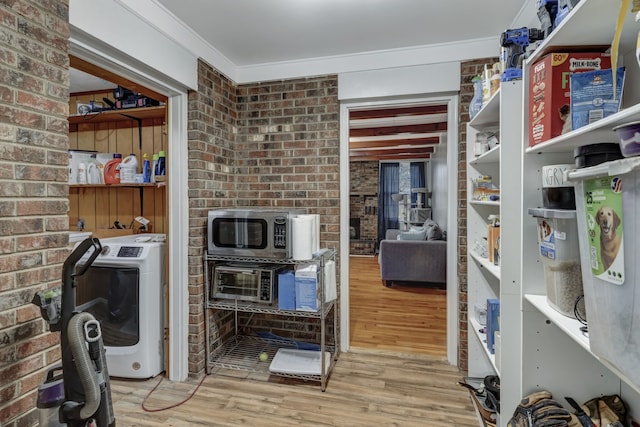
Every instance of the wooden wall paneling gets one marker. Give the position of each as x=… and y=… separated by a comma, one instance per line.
x=126, y=201
x=111, y=194
x=101, y=137
x=161, y=218
x=87, y=207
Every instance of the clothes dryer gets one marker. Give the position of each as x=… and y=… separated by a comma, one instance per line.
x=125, y=289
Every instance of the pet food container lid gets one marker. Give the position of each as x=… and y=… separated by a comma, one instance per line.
x=629, y=135
x=595, y=154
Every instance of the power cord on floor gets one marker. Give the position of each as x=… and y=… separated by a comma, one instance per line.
x=171, y=406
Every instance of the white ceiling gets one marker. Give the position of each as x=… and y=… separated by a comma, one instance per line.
x=251, y=32
x=257, y=32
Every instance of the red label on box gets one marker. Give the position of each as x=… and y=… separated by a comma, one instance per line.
x=549, y=91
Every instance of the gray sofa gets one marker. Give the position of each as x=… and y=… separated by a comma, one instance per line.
x=418, y=261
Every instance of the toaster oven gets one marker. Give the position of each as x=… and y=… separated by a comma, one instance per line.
x=246, y=282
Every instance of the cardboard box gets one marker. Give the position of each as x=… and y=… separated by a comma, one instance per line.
x=550, y=94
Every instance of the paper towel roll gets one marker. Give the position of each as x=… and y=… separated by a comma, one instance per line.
x=315, y=244
x=302, y=227
x=330, y=288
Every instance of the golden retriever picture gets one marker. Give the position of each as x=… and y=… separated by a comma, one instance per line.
x=608, y=221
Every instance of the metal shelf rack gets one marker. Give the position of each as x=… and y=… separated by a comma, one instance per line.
x=242, y=352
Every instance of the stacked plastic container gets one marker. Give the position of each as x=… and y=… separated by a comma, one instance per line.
x=608, y=211
x=559, y=251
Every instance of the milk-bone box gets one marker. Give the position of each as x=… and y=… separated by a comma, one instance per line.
x=550, y=94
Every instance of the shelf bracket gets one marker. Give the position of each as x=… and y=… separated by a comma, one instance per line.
x=139, y=121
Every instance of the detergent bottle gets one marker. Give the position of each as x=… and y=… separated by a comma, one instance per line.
x=112, y=170
x=128, y=169
x=154, y=167
x=146, y=168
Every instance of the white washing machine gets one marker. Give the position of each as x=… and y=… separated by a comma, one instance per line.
x=125, y=290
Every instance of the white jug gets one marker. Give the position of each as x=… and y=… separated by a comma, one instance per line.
x=82, y=173
x=94, y=174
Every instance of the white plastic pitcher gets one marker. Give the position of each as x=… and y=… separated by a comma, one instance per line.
x=128, y=169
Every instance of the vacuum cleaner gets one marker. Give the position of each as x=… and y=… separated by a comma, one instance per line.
x=85, y=379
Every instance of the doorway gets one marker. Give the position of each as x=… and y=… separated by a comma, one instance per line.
x=91, y=52
x=447, y=176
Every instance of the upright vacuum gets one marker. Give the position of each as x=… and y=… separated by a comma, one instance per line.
x=87, y=393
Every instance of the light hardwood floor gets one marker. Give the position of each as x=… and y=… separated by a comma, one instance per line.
x=404, y=319
x=395, y=375
x=364, y=390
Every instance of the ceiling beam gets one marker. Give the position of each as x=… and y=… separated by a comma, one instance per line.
x=389, y=158
x=394, y=143
x=392, y=130
x=387, y=112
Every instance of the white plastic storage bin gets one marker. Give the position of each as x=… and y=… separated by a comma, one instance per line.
x=560, y=256
x=608, y=209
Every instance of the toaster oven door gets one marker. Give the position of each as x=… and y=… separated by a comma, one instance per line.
x=237, y=282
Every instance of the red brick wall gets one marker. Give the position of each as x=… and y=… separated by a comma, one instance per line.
x=467, y=71
x=211, y=132
x=34, y=86
x=267, y=144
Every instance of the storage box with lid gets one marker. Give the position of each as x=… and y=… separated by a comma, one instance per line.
x=559, y=253
x=549, y=91
x=608, y=213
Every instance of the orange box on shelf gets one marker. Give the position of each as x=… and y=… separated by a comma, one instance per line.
x=550, y=94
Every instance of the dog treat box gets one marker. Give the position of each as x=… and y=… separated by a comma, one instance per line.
x=549, y=91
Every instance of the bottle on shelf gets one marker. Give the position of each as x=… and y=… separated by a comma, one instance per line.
x=476, y=102
x=161, y=165
x=494, y=82
x=486, y=84
x=112, y=170
x=128, y=169
x=154, y=167
x=146, y=168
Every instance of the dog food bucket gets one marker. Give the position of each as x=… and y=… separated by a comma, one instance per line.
x=559, y=253
x=557, y=191
x=608, y=213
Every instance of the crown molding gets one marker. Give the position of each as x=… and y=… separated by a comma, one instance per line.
x=164, y=21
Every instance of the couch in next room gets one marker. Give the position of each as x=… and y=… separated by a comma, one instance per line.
x=417, y=256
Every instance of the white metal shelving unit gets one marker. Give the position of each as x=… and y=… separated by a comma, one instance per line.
x=241, y=352
x=555, y=354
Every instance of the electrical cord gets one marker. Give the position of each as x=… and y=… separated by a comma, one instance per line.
x=578, y=314
x=144, y=407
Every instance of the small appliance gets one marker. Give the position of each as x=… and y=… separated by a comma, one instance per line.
x=246, y=282
x=251, y=232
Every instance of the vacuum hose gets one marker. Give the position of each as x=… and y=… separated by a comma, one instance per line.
x=84, y=364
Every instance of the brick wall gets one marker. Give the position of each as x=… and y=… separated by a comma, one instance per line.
x=212, y=137
x=468, y=71
x=34, y=81
x=267, y=144
x=363, y=204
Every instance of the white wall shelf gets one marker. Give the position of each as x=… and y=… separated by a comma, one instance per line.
x=493, y=269
x=568, y=325
x=482, y=337
x=489, y=114
x=485, y=203
x=491, y=156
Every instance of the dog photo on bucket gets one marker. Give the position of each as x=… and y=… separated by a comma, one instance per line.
x=603, y=208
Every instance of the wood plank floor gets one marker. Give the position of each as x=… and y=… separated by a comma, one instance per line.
x=395, y=375
x=364, y=390
x=403, y=319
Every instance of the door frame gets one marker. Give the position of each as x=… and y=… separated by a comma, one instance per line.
x=450, y=142
x=95, y=52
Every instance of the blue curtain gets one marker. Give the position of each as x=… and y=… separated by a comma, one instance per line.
x=417, y=179
x=387, y=208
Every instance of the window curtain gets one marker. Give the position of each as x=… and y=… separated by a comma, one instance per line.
x=417, y=179
x=389, y=183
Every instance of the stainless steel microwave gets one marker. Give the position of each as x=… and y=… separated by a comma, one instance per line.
x=247, y=282
x=251, y=232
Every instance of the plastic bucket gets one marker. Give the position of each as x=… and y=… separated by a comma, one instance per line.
x=608, y=212
x=559, y=253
